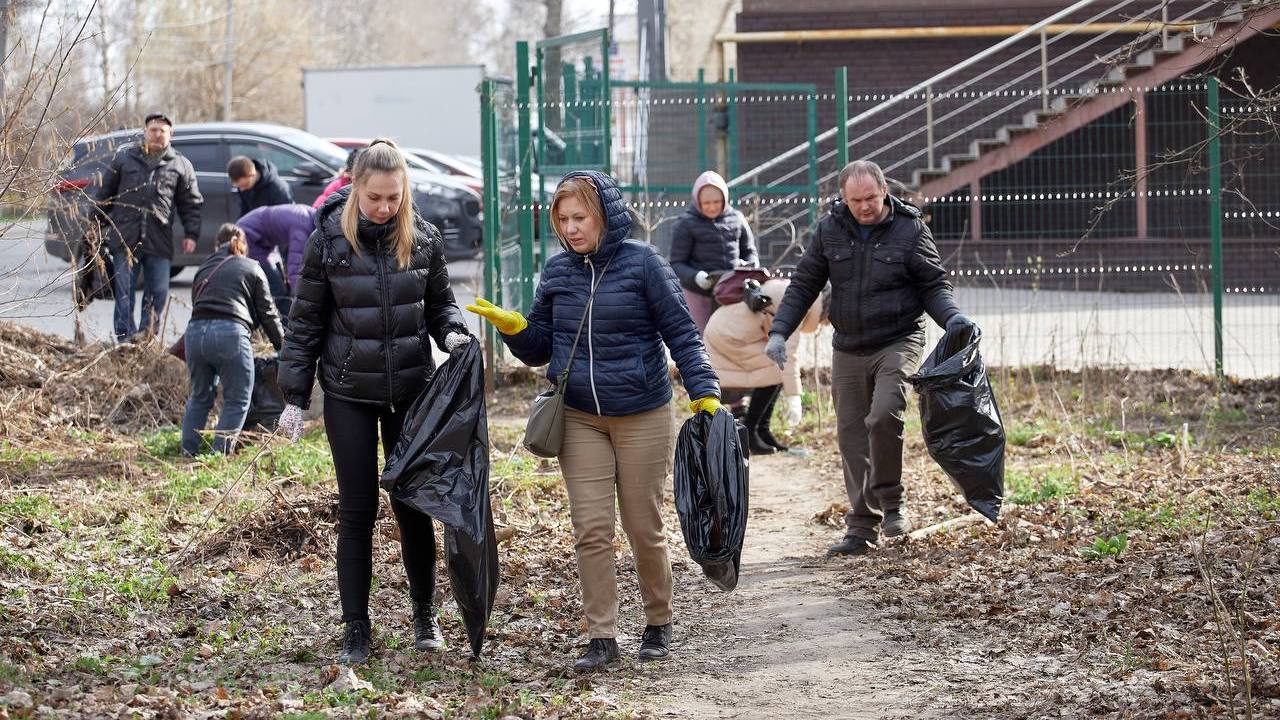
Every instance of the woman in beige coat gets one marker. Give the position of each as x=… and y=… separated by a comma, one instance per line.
x=735, y=337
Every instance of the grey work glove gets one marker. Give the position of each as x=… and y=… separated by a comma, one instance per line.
x=703, y=280
x=290, y=423
x=777, y=349
x=455, y=340
x=958, y=321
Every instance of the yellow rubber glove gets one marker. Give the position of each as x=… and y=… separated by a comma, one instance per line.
x=508, y=322
x=708, y=404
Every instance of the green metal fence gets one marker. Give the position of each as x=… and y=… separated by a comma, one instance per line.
x=1111, y=246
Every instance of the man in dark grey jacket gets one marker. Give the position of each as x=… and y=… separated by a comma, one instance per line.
x=142, y=186
x=885, y=273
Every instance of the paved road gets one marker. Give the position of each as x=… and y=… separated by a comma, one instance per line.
x=35, y=290
x=1062, y=328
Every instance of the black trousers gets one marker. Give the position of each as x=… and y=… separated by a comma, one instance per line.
x=352, y=429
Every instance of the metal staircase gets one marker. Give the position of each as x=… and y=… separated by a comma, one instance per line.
x=1174, y=55
x=997, y=107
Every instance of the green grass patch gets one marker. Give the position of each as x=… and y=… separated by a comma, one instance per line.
x=1022, y=433
x=1264, y=502
x=1026, y=487
x=33, y=509
x=521, y=473
x=146, y=584
x=1168, y=515
x=308, y=461
x=24, y=460
x=164, y=443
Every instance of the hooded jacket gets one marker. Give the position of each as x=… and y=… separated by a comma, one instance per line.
x=270, y=189
x=361, y=319
x=736, y=337
x=235, y=290
x=710, y=244
x=880, y=287
x=138, y=196
x=283, y=227
x=619, y=367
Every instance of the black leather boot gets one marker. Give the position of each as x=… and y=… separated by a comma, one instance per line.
x=426, y=628
x=763, y=428
x=600, y=652
x=655, y=643
x=758, y=417
x=355, y=643
x=851, y=545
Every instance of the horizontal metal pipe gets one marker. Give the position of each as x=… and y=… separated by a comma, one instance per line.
x=901, y=33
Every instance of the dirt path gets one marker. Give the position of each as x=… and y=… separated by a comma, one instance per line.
x=794, y=639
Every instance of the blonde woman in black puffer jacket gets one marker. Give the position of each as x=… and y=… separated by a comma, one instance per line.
x=372, y=295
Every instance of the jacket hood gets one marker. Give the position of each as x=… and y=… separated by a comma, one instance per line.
x=617, y=215
x=266, y=169
x=712, y=178
x=329, y=216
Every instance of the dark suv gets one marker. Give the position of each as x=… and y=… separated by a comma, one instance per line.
x=305, y=161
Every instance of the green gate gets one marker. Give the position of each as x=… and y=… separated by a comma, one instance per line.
x=562, y=113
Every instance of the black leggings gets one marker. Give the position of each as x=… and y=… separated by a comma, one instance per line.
x=352, y=429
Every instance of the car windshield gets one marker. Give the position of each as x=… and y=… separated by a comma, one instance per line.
x=323, y=150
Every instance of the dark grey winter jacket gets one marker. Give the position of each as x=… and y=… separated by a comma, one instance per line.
x=700, y=243
x=367, y=322
x=880, y=287
x=138, y=196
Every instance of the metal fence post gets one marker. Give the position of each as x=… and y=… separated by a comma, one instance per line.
x=842, y=117
x=492, y=227
x=813, y=156
x=526, y=176
x=606, y=98
x=1215, y=221
x=702, y=120
x=731, y=113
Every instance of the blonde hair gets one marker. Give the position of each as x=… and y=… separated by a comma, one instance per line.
x=382, y=155
x=233, y=234
x=584, y=191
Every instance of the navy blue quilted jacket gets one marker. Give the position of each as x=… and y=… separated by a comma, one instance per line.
x=619, y=368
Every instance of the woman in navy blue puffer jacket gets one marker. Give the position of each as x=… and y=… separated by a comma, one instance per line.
x=618, y=436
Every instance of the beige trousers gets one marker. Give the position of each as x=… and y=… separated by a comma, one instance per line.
x=626, y=458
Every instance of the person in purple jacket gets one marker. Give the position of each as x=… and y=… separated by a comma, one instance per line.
x=284, y=228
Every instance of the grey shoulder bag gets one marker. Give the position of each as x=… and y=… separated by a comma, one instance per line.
x=544, y=433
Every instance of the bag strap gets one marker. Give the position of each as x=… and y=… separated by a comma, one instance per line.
x=591, y=298
x=205, y=284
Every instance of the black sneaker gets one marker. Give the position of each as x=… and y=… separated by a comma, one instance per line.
x=426, y=628
x=355, y=643
x=600, y=652
x=895, y=524
x=851, y=545
x=654, y=642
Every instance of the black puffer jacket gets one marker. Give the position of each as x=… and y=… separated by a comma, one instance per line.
x=700, y=243
x=235, y=288
x=269, y=190
x=138, y=196
x=880, y=287
x=365, y=320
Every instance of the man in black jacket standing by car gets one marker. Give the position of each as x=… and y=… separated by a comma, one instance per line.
x=885, y=273
x=258, y=184
x=141, y=188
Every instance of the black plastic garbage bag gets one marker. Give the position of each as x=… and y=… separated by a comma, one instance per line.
x=267, y=401
x=711, y=488
x=961, y=421
x=93, y=275
x=440, y=467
